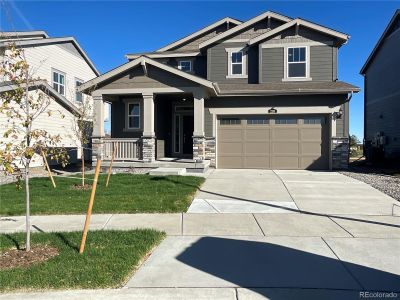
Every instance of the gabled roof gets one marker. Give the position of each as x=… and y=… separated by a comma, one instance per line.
x=199, y=32
x=23, y=34
x=46, y=88
x=50, y=41
x=300, y=22
x=385, y=34
x=244, y=26
x=143, y=60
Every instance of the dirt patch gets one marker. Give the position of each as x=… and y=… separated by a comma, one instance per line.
x=15, y=258
x=79, y=187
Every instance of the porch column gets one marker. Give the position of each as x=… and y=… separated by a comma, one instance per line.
x=198, y=133
x=98, y=127
x=148, y=138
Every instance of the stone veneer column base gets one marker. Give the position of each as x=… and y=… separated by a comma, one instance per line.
x=209, y=150
x=198, y=148
x=148, y=149
x=340, y=153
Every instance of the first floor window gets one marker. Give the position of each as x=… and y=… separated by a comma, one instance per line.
x=285, y=121
x=257, y=121
x=297, y=62
x=230, y=121
x=78, y=95
x=237, y=63
x=59, y=82
x=133, y=115
x=185, y=65
x=314, y=120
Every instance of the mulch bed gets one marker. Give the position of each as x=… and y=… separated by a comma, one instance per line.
x=79, y=187
x=16, y=258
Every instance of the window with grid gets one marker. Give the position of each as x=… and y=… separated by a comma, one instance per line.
x=257, y=121
x=237, y=63
x=59, y=82
x=185, y=65
x=297, y=62
x=230, y=121
x=314, y=120
x=133, y=115
x=286, y=121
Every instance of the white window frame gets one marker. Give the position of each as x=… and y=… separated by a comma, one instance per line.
x=185, y=60
x=59, y=84
x=76, y=87
x=244, y=62
x=286, y=63
x=128, y=115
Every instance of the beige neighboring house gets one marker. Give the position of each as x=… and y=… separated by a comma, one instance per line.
x=61, y=65
x=262, y=93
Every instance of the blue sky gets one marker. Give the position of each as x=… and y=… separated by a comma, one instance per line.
x=109, y=30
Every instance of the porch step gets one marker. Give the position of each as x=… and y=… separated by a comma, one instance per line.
x=167, y=171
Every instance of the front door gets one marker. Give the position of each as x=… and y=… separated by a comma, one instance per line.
x=187, y=139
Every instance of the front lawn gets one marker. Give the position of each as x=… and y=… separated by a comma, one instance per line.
x=109, y=259
x=126, y=193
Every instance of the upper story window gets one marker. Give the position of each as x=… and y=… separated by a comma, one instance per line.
x=59, y=82
x=297, y=62
x=78, y=95
x=185, y=65
x=133, y=115
x=236, y=63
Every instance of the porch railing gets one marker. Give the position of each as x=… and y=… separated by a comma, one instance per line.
x=127, y=149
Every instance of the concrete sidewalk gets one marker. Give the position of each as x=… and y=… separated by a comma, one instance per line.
x=282, y=224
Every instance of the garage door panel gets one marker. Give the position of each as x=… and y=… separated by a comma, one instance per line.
x=285, y=147
x=285, y=162
x=254, y=144
x=257, y=162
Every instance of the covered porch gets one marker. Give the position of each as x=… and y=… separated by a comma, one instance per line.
x=157, y=117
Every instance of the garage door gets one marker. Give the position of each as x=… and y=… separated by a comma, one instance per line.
x=278, y=142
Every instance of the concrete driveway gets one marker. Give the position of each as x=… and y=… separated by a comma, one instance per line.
x=268, y=191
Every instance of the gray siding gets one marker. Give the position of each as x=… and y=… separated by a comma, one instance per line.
x=382, y=95
x=208, y=123
x=272, y=65
x=199, y=64
x=321, y=63
x=342, y=125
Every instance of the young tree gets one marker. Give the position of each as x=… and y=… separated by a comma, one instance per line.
x=21, y=105
x=82, y=126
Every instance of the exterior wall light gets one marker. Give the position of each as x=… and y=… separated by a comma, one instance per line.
x=272, y=110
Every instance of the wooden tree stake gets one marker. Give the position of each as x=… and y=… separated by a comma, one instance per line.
x=111, y=163
x=48, y=169
x=89, y=211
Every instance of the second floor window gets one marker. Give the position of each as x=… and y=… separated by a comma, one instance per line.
x=237, y=63
x=78, y=95
x=185, y=65
x=297, y=62
x=59, y=82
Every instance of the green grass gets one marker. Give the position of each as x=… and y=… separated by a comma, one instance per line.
x=126, y=193
x=109, y=259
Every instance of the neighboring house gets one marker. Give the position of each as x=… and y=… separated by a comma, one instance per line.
x=61, y=65
x=382, y=95
x=257, y=94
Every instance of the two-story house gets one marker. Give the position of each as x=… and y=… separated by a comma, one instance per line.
x=257, y=94
x=60, y=65
x=382, y=95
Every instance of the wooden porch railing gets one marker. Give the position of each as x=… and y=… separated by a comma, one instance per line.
x=127, y=149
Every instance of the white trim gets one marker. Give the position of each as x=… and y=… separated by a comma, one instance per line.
x=180, y=61
x=283, y=110
x=243, y=26
x=127, y=115
x=294, y=44
x=161, y=55
x=229, y=52
x=235, y=41
x=167, y=90
x=199, y=32
x=286, y=64
x=64, y=85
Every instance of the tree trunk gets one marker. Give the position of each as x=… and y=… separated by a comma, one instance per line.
x=83, y=166
x=28, y=218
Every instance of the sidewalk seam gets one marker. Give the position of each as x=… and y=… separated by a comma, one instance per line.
x=255, y=219
x=108, y=220
x=284, y=184
x=329, y=217
x=344, y=266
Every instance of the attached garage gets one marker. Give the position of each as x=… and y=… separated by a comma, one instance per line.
x=273, y=142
